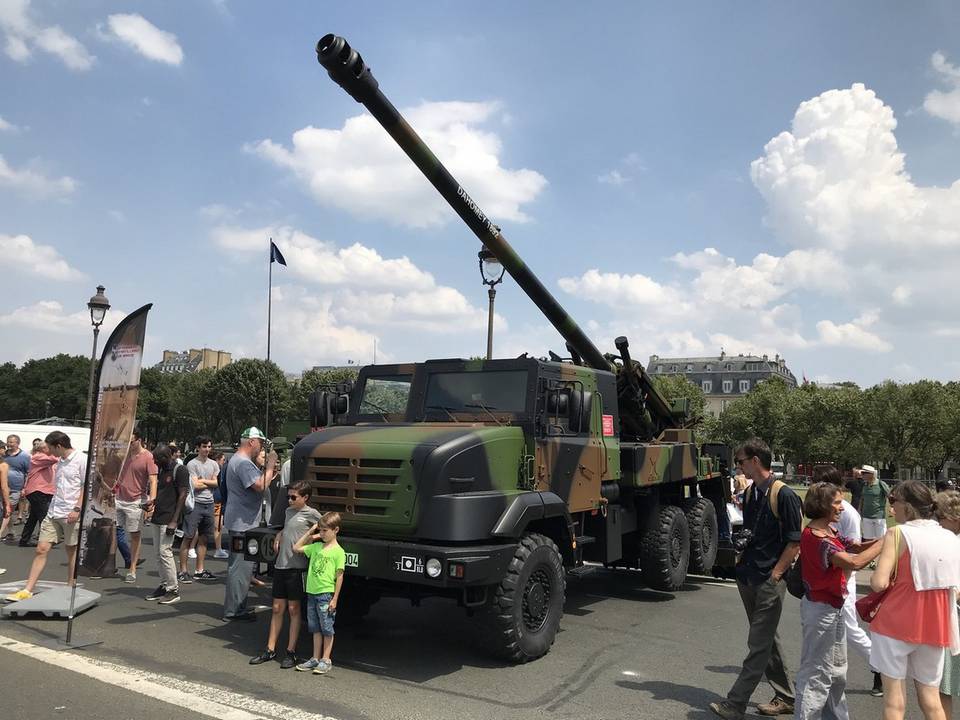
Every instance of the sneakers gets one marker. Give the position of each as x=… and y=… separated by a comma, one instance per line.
x=726, y=710
x=248, y=616
x=221, y=554
x=205, y=575
x=157, y=594
x=777, y=706
x=289, y=661
x=877, y=690
x=170, y=597
x=323, y=668
x=192, y=553
x=130, y=578
x=185, y=578
x=265, y=656
x=19, y=595
x=308, y=665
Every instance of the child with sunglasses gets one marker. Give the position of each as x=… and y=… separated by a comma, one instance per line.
x=288, y=575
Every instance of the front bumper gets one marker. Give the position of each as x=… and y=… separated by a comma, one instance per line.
x=403, y=562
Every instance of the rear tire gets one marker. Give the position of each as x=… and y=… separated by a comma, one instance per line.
x=704, y=537
x=665, y=550
x=528, y=603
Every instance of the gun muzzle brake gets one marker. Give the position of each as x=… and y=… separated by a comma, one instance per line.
x=346, y=67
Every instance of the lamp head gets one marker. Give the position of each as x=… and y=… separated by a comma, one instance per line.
x=490, y=268
x=98, y=307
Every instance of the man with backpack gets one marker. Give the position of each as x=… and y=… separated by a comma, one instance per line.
x=772, y=522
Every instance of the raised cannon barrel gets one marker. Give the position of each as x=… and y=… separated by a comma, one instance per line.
x=347, y=68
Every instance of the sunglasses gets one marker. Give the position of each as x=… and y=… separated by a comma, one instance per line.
x=741, y=460
x=291, y=498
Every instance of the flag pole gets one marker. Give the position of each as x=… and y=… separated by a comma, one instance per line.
x=266, y=420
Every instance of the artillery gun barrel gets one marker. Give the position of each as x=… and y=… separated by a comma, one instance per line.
x=347, y=68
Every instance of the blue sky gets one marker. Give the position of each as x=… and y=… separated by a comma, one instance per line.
x=777, y=178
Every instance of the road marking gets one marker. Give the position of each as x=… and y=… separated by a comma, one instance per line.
x=213, y=702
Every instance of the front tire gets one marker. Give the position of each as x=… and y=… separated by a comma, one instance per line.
x=528, y=603
x=665, y=550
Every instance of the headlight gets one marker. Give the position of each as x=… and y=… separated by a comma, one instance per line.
x=434, y=567
x=253, y=546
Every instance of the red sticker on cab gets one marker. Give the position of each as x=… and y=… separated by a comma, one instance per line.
x=608, y=425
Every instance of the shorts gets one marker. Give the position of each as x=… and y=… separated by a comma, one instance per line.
x=288, y=584
x=14, y=498
x=58, y=530
x=874, y=528
x=129, y=515
x=200, y=519
x=319, y=617
x=901, y=660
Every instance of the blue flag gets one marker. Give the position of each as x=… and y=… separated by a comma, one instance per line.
x=276, y=255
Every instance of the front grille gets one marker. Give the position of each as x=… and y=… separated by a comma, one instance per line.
x=356, y=487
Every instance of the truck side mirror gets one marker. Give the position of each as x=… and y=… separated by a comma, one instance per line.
x=341, y=404
x=317, y=404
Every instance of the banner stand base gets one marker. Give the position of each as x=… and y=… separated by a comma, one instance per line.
x=76, y=643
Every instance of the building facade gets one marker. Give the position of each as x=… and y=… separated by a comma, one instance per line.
x=192, y=360
x=723, y=378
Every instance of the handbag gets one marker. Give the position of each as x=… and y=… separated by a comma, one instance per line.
x=869, y=605
x=795, y=579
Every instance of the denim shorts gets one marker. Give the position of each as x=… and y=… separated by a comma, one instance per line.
x=319, y=616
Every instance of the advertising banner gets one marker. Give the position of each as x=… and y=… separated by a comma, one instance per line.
x=117, y=384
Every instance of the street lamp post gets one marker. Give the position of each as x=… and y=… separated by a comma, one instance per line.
x=491, y=272
x=98, y=311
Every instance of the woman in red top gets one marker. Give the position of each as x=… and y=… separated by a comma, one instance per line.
x=824, y=558
x=917, y=619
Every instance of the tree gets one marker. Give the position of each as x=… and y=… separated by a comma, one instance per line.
x=8, y=391
x=153, y=405
x=238, y=395
x=760, y=413
x=191, y=405
x=52, y=386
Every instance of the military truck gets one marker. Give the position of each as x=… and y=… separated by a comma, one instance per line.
x=488, y=481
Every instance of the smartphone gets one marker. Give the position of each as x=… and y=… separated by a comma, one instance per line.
x=170, y=531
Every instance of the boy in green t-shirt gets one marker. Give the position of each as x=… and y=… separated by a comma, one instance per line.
x=324, y=581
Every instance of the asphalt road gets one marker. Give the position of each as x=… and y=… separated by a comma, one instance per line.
x=624, y=652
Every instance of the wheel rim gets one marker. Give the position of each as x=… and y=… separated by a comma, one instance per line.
x=536, y=600
x=676, y=548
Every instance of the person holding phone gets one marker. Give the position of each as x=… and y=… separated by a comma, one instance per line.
x=173, y=485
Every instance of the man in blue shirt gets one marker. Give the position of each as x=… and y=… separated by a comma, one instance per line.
x=18, y=462
x=245, y=484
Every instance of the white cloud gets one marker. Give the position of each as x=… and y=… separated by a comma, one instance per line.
x=45, y=328
x=33, y=182
x=355, y=295
x=6, y=126
x=614, y=177
x=146, y=38
x=42, y=260
x=22, y=34
x=853, y=335
x=944, y=105
x=361, y=170
x=629, y=164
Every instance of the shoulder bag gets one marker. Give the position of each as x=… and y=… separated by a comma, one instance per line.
x=869, y=605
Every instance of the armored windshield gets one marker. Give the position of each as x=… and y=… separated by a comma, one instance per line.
x=385, y=395
x=477, y=392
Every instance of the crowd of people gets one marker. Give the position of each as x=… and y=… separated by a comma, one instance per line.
x=158, y=494
x=911, y=611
